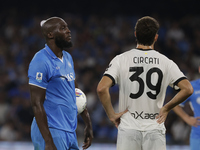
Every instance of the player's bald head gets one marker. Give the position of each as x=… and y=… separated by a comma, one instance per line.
x=50, y=25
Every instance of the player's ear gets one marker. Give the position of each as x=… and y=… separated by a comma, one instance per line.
x=156, y=38
x=135, y=34
x=50, y=35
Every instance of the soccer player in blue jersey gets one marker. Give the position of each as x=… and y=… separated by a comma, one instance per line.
x=52, y=87
x=194, y=121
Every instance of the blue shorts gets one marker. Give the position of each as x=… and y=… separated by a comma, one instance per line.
x=194, y=143
x=63, y=140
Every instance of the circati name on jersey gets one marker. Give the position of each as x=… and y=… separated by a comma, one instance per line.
x=143, y=115
x=146, y=60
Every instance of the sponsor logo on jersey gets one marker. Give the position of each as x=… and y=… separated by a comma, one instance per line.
x=69, y=77
x=39, y=76
x=144, y=115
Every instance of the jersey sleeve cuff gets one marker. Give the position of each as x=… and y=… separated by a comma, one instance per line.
x=113, y=80
x=37, y=85
x=176, y=82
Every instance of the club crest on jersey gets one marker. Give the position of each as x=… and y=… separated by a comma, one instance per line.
x=39, y=76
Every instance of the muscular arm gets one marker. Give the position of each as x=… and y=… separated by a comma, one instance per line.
x=88, y=132
x=104, y=96
x=37, y=100
x=186, y=90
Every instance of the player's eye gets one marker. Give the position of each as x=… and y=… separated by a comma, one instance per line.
x=63, y=27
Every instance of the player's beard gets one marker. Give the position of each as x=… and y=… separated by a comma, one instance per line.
x=63, y=43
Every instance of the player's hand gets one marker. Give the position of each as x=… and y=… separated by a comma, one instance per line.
x=50, y=146
x=162, y=115
x=88, y=133
x=115, y=119
x=194, y=121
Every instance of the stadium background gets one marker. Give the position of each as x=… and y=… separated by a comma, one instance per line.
x=100, y=30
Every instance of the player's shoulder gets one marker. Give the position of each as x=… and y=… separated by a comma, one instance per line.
x=160, y=55
x=164, y=59
x=125, y=54
x=40, y=53
x=40, y=56
x=138, y=51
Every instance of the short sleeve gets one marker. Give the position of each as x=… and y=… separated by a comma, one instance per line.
x=175, y=75
x=113, y=70
x=38, y=72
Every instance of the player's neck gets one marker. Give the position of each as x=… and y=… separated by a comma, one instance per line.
x=56, y=50
x=139, y=46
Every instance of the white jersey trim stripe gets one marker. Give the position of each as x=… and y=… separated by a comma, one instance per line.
x=37, y=86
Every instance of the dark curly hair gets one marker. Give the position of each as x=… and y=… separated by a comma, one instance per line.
x=146, y=28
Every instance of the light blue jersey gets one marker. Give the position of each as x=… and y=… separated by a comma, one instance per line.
x=194, y=101
x=57, y=76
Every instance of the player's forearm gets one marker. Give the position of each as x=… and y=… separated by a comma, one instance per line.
x=105, y=99
x=181, y=113
x=181, y=96
x=86, y=118
x=41, y=119
x=104, y=95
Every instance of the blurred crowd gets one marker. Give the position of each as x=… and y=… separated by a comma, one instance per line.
x=96, y=40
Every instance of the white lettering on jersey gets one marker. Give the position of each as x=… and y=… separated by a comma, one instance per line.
x=146, y=60
x=69, y=77
x=143, y=77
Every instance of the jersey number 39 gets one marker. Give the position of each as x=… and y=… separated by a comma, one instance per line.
x=135, y=77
